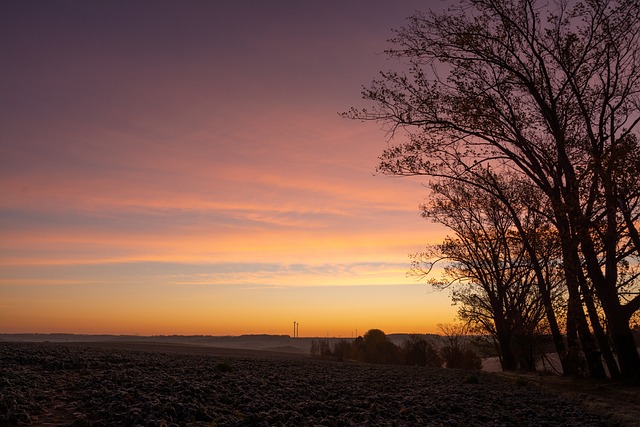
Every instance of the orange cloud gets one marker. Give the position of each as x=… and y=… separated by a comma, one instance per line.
x=210, y=189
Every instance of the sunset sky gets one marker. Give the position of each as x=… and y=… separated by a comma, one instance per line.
x=181, y=168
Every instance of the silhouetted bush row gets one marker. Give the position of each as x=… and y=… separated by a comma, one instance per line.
x=375, y=347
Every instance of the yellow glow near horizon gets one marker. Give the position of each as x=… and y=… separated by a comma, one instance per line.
x=195, y=179
x=334, y=312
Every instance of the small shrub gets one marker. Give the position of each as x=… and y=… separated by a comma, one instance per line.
x=456, y=358
x=434, y=360
x=342, y=350
x=416, y=351
x=320, y=348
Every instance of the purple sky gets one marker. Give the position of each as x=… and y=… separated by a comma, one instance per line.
x=188, y=158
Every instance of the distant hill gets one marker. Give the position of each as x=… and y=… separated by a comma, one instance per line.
x=254, y=342
x=284, y=343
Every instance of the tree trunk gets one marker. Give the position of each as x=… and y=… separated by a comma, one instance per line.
x=601, y=337
x=625, y=345
x=524, y=351
x=556, y=334
x=544, y=288
x=572, y=367
x=508, y=358
x=621, y=335
x=572, y=269
x=617, y=317
x=591, y=353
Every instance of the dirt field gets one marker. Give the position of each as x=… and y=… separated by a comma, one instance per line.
x=160, y=384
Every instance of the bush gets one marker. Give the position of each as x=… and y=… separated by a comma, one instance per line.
x=458, y=358
x=416, y=351
x=457, y=353
x=378, y=348
x=320, y=348
x=342, y=350
x=434, y=360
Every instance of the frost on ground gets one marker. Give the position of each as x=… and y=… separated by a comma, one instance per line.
x=84, y=385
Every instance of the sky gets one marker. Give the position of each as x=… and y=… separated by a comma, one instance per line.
x=181, y=168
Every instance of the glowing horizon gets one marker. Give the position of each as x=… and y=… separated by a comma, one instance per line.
x=184, y=170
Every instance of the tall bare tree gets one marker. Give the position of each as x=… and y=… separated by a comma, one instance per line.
x=548, y=91
x=488, y=268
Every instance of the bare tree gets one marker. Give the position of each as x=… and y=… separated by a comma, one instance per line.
x=457, y=351
x=488, y=268
x=547, y=91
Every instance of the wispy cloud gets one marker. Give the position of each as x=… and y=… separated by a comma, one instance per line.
x=205, y=274
x=151, y=160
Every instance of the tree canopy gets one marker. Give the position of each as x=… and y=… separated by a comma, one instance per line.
x=502, y=94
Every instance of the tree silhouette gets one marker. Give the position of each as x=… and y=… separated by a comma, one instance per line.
x=457, y=353
x=550, y=94
x=416, y=351
x=488, y=268
x=378, y=348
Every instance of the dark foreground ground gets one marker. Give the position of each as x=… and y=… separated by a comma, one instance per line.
x=131, y=384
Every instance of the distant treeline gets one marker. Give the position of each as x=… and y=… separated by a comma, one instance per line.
x=375, y=347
